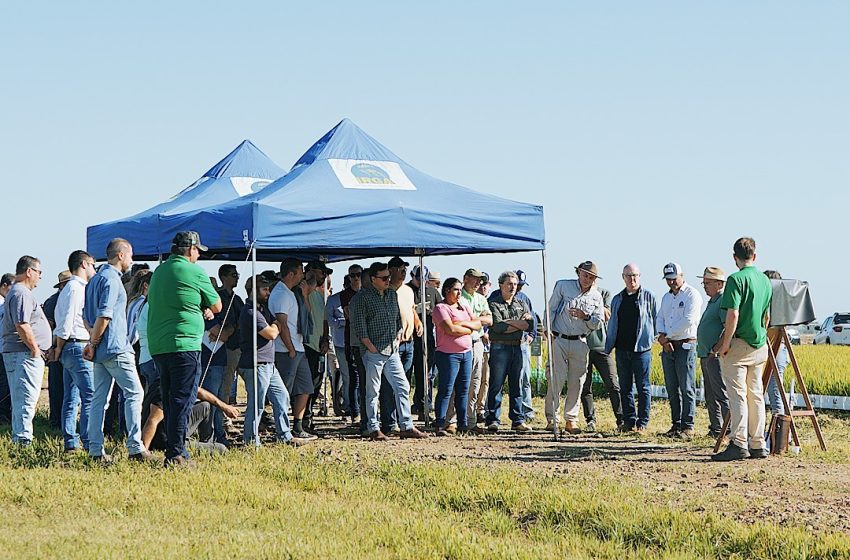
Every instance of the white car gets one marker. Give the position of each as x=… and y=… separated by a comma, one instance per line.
x=835, y=330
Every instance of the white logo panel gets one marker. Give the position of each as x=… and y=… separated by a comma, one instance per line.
x=367, y=174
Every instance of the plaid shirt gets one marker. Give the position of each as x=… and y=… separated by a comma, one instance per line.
x=375, y=316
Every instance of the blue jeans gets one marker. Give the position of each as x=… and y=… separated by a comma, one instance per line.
x=680, y=375
x=79, y=391
x=25, y=375
x=121, y=369
x=386, y=398
x=179, y=373
x=269, y=384
x=390, y=367
x=454, y=374
x=525, y=382
x=633, y=369
x=505, y=361
x=774, y=394
x=212, y=383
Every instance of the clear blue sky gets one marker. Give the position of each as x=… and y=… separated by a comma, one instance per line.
x=650, y=131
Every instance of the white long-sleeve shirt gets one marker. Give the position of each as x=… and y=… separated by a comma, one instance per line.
x=69, y=311
x=568, y=295
x=679, y=315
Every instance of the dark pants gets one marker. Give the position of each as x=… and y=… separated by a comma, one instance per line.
x=633, y=369
x=180, y=373
x=55, y=392
x=715, y=393
x=361, y=387
x=418, y=405
x=454, y=375
x=353, y=381
x=5, y=396
x=505, y=361
x=680, y=371
x=313, y=360
x=604, y=364
x=386, y=397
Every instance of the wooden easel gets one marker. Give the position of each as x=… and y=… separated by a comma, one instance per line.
x=776, y=336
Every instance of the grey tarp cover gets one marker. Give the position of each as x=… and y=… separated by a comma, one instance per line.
x=791, y=304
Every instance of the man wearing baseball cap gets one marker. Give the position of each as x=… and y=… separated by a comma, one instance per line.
x=180, y=298
x=577, y=310
x=708, y=335
x=676, y=324
x=432, y=298
x=525, y=347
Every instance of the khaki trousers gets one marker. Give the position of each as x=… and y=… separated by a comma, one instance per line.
x=474, y=387
x=569, y=365
x=741, y=369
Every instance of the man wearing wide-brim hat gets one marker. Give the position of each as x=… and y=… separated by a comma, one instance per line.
x=708, y=334
x=577, y=309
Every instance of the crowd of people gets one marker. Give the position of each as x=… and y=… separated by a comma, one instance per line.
x=175, y=343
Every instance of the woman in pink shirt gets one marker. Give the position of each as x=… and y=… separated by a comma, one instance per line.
x=454, y=325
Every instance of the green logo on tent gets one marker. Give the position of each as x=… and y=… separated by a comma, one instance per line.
x=368, y=174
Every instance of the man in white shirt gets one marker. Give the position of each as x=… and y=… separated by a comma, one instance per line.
x=677, y=323
x=69, y=338
x=290, y=358
x=577, y=309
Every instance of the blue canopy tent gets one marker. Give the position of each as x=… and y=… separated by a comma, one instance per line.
x=349, y=196
x=246, y=170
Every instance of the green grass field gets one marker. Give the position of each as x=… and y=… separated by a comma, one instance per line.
x=495, y=497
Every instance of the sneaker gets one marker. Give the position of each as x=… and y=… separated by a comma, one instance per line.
x=180, y=463
x=493, y=427
x=758, y=453
x=473, y=431
x=591, y=426
x=671, y=433
x=451, y=429
x=300, y=442
x=731, y=453
x=441, y=432
x=640, y=429
x=303, y=434
x=685, y=435
x=143, y=457
x=572, y=427
x=104, y=459
x=480, y=419
x=521, y=428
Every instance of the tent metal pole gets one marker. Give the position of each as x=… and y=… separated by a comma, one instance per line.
x=326, y=367
x=257, y=408
x=426, y=377
x=548, y=320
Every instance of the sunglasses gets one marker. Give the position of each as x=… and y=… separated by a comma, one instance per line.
x=384, y=278
x=354, y=274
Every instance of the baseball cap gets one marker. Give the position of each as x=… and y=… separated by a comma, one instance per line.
x=397, y=262
x=188, y=239
x=474, y=272
x=415, y=272
x=485, y=278
x=590, y=268
x=318, y=265
x=521, y=277
x=64, y=276
x=713, y=273
x=672, y=270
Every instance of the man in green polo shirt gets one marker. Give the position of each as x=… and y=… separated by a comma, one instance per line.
x=180, y=298
x=743, y=353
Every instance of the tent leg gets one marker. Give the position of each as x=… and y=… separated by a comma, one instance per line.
x=426, y=377
x=257, y=408
x=548, y=321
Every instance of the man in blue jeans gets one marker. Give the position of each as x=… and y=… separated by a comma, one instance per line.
x=677, y=322
x=69, y=338
x=26, y=337
x=105, y=313
x=376, y=324
x=180, y=298
x=631, y=331
x=511, y=318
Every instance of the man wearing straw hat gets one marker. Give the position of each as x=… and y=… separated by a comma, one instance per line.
x=708, y=334
x=578, y=310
